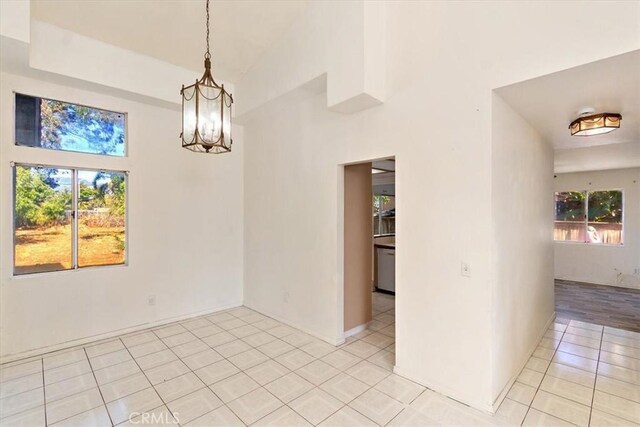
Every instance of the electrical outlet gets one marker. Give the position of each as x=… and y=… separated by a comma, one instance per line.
x=285, y=297
x=465, y=269
x=151, y=300
x=636, y=271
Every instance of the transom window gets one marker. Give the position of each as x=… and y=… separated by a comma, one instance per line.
x=58, y=125
x=594, y=217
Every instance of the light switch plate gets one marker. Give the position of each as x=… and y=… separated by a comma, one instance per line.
x=465, y=269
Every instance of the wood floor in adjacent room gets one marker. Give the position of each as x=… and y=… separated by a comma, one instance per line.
x=599, y=304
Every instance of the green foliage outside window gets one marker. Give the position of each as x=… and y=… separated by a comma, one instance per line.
x=605, y=206
x=37, y=202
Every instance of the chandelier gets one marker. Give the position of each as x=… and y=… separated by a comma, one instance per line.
x=206, y=112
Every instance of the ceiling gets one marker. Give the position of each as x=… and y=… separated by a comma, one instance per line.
x=384, y=177
x=602, y=157
x=380, y=166
x=174, y=30
x=551, y=102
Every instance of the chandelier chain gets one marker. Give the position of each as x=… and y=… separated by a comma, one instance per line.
x=207, y=55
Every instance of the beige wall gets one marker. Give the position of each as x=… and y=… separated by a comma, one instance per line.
x=522, y=255
x=358, y=241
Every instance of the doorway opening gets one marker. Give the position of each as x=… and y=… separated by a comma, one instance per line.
x=369, y=260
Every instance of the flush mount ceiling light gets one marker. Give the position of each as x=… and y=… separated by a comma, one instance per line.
x=206, y=112
x=589, y=124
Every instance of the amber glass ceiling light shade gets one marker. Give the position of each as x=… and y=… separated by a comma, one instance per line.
x=595, y=124
x=206, y=112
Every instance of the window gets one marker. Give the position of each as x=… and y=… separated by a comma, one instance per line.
x=384, y=214
x=68, y=218
x=57, y=125
x=589, y=217
x=570, y=208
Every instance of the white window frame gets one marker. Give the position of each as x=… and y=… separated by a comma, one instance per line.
x=126, y=128
x=75, y=190
x=586, y=218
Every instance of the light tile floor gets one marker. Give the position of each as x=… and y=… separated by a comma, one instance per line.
x=239, y=367
x=580, y=374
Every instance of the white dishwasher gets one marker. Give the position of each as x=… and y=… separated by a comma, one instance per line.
x=386, y=261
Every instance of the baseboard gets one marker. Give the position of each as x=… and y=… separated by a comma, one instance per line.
x=591, y=282
x=498, y=401
x=469, y=400
x=356, y=330
x=328, y=340
x=100, y=337
x=445, y=391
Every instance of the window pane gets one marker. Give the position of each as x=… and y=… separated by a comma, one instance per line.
x=570, y=213
x=605, y=217
x=58, y=125
x=384, y=214
x=42, y=220
x=101, y=218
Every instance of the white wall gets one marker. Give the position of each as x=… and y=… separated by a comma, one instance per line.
x=184, y=223
x=347, y=47
x=599, y=157
x=522, y=210
x=596, y=263
x=442, y=61
x=14, y=19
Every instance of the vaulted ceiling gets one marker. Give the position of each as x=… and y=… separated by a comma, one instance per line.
x=174, y=30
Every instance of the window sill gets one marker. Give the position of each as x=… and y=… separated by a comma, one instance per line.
x=65, y=272
x=597, y=245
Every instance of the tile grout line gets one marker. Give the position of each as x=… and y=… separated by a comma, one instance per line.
x=595, y=380
x=98, y=387
x=298, y=347
x=596, y=375
x=80, y=392
x=40, y=357
x=589, y=372
x=44, y=394
x=290, y=371
x=243, y=371
x=343, y=405
x=196, y=375
x=30, y=359
x=71, y=363
x=41, y=373
x=237, y=367
x=178, y=358
x=71, y=349
x=556, y=350
x=41, y=360
x=408, y=405
x=150, y=383
x=315, y=386
x=370, y=387
x=544, y=374
x=85, y=373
